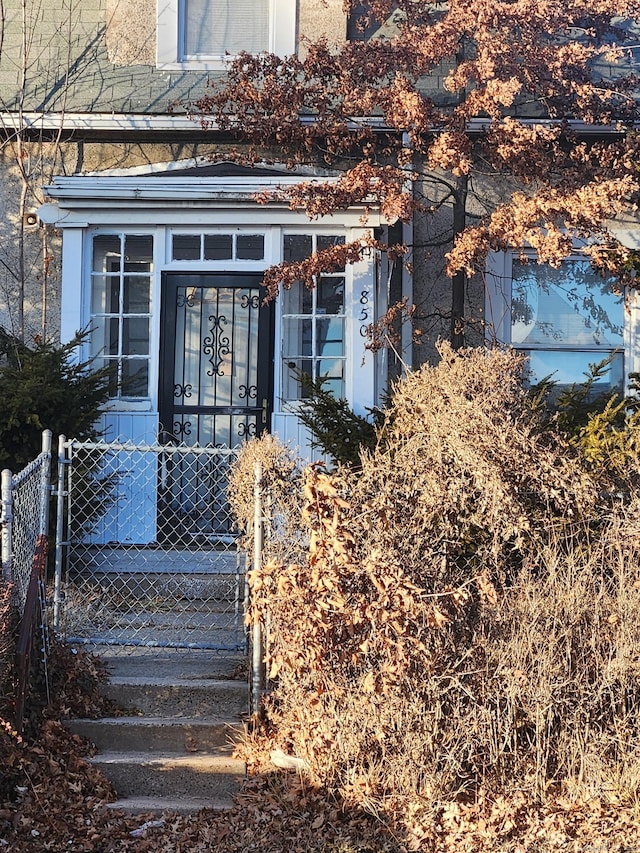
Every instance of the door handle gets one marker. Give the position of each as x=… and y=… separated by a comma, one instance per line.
x=265, y=408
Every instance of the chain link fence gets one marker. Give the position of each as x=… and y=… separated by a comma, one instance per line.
x=146, y=552
x=24, y=517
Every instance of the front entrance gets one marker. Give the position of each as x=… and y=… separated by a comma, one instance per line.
x=216, y=389
x=216, y=359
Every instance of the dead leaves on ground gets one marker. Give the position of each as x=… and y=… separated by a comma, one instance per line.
x=58, y=803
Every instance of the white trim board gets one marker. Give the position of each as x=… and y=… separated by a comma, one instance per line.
x=78, y=121
x=95, y=199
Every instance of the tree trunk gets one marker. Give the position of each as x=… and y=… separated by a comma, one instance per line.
x=459, y=280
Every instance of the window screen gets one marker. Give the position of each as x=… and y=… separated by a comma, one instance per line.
x=216, y=27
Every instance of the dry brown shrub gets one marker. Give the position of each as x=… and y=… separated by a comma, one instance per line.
x=282, y=497
x=467, y=469
x=467, y=617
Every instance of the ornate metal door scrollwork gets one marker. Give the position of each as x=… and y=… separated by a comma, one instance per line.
x=216, y=345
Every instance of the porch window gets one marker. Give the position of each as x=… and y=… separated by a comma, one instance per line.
x=313, y=322
x=204, y=33
x=121, y=310
x=566, y=319
x=217, y=246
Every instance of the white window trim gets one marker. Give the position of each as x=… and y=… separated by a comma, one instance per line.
x=282, y=37
x=120, y=404
x=243, y=264
x=359, y=311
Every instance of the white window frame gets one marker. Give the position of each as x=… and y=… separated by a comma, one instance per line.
x=314, y=316
x=282, y=37
x=359, y=311
x=120, y=401
x=499, y=280
x=236, y=262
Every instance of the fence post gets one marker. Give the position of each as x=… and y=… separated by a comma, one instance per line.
x=57, y=584
x=6, y=518
x=45, y=475
x=257, y=662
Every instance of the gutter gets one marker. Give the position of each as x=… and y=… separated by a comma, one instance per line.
x=164, y=123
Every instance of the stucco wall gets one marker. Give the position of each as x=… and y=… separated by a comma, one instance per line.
x=321, y=20
x=28, y=252
x=131, y=32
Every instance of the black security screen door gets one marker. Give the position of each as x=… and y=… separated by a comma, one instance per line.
x=216, y=359
x=216, y=371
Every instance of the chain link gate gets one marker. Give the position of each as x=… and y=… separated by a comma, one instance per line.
x=146, y=553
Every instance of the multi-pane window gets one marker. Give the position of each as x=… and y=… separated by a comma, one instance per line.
x=566, y=319
x=217, y=247
x=121, y=310
x=313, y=322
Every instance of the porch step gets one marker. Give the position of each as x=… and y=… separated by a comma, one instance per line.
x=178, y=581
x=156, y=734
x=163, y=696
x=159, y=805
x=211, y=777
x=174, y=751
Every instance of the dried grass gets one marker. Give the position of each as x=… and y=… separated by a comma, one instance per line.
x=466, y=619
x=281, y=489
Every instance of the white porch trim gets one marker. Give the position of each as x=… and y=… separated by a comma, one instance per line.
x=85, y=205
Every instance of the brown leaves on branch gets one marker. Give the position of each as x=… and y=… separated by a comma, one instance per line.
x=497, y=53
x=366, y=108
x=386, y=187
x=386, y=331
x=547, y=221
x=306, y=271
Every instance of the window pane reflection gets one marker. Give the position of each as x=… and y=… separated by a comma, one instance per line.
x=250, y=247
x=313, y=324
x=186, y=247
x=565, y=320
x=331, y=295
x=566, y=368
x=218, y=247
x=571, y=306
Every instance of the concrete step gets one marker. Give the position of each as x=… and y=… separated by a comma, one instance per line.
x=162, y=805
x=210, y=776
x=174, y=751
x=185, y=583
x=194, y=664
x=179, y=697
x=158, y=734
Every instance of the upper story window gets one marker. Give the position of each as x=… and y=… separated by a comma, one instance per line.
x=204, y=34
x=564, y=320
x=121, y=270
